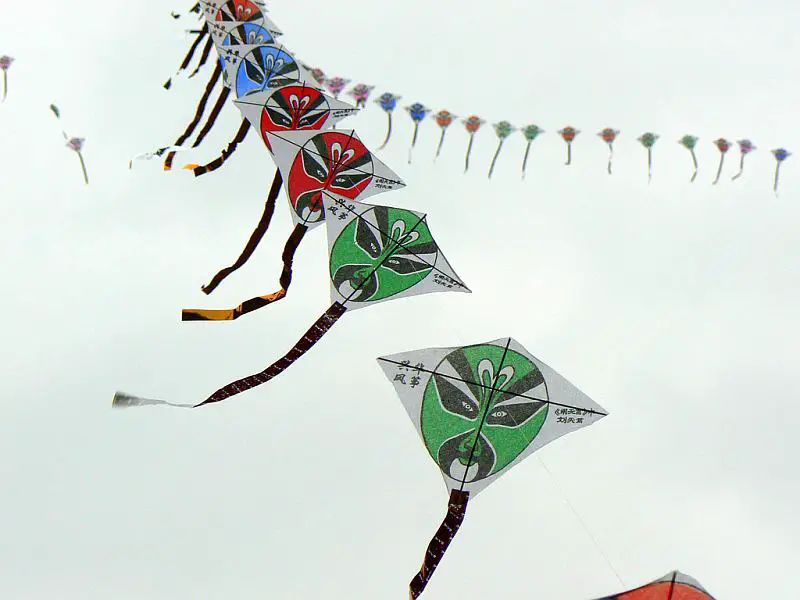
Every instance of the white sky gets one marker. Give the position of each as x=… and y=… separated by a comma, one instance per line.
x=674, y=306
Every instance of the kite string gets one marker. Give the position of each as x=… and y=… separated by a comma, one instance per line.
x=582, y=522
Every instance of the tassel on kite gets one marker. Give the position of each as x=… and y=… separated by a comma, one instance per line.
x=723, y=146
x=388, y=102
x=780, y=154
x=73, y=143
x=689, y=142
x=648, y=140
x=5, y=64
x=503, y=129
x=531, y=132
x=361, y=93
x=472, y=125
x=609, y=135
x=417, y=112
x=745, y=148
x=568, y=134
x=444, y=118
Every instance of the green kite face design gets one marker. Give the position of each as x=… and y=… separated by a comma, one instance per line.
x=382, y=253
x=471, y=430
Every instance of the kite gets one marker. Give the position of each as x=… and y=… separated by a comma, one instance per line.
x=388, y=102
x=312, y=165
x=531, y=132
x=417, y=112
x=503, y=129
x=780, y=154
x=689, y=142
x=5, y=64
x=609, y=135
x=723, y=146
x=336, y=85
x=473, y=125
x=673, y=586
x=568, y=134
x=290, y=108
x=318, y=75
x=444, y=118
x=361, y=93
x=376, y=253
x=745, y=148
x=480, y=410
x=648, y=140
x=73, y=143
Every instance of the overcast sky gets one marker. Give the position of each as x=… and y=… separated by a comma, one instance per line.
x=672, y=305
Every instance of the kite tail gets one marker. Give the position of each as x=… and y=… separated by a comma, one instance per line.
x=649, y=165
x=469, y=151
x=777, y=174
x=189, y=55
x=203, y=56
x=311, y=337
x=741, y=169
x=525, y=159
x=569, y=154
x=201, y=107
x=610, y=157
x=719, y=170
x=258, y=302
x=83, y=168
x=255, y=237
x=439, y=147
x=388, y=131
x=212, y=117
x=457, y=508
x=222, y=158
x=5, y=85
x=694, y=160
x=122, y=400
x=494, y=160
x=413, y=141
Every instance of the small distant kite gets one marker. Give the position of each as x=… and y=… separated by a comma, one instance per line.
x=444, y=118
x=472, y=125
x=336, y=85
x=568, y=134
x=689, y=142
x=780, y=154
x=388, y=102
x=745, y=148
x=503, y=129
x=608, y=135
x=723, y=146
x=73, y=143
x=648, y=140
x=360, y=93
x=417, y=112
x=5, y=64
x=531, y=132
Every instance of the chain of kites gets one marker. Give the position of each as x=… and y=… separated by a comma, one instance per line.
x=469, y=396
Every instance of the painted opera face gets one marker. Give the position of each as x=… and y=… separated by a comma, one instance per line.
x=331, y=161
x=265, y=67
x=293, y=108
x=481, y=409
x=239, y=10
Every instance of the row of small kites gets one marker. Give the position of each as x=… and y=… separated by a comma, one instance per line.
x=462, y=400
